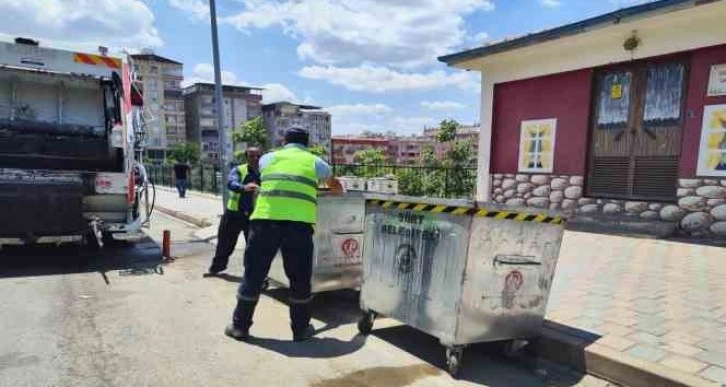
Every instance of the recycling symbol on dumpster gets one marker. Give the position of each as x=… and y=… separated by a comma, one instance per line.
x=405, y=255
x=350, y=247
x=512, y=283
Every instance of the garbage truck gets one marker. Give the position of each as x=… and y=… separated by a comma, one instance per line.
x=71, y=146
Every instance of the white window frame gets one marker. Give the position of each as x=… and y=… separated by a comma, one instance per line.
x=524, y=136
x=703, y=151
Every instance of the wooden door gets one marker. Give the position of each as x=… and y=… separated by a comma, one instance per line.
x=636, y=132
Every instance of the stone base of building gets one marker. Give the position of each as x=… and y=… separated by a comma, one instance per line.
x=700, y=210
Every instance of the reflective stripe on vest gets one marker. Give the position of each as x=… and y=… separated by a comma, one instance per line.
x=234, y=197
x=280, y=193
x=289, y=187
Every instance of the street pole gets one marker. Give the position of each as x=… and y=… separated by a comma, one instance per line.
x=223, y=154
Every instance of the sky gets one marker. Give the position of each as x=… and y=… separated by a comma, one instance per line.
x=370, y=63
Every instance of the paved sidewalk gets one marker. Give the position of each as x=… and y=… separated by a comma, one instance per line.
x=197, y=208
x=660, y=301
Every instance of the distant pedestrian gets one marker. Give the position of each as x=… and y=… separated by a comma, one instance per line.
x=243, y=183
x=181, y=175
x=283, y=220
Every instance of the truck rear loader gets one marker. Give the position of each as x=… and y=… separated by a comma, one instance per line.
x=71, y=140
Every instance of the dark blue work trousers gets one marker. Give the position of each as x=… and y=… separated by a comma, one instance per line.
x=230, y=226
x=295, y=242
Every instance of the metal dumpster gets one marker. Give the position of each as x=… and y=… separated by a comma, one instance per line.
x=462, y=272
x=338, y=244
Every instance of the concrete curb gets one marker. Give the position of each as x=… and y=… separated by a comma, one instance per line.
x=197, y=221
x=580, y=350
x=191, y=193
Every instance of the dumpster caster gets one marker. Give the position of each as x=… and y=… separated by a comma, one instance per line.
x=513, y=348
x=365, y=323
x=453, y=360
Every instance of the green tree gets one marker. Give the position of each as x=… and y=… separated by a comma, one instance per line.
x=319, y=150
x=429, y=157
x=409, y=182
x=187, y=152
x=458, y=173
x=370, y=156
x=461, y=154
x=252, y=132
x=447, y=130
x=372, y=162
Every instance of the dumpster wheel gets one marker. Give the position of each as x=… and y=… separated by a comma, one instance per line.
x=365, y=323
x=453, y=360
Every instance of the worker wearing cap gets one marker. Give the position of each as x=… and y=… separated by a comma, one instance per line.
x=283, y=220
x=243, y=183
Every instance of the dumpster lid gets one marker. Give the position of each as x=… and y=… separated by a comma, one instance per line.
x=530, y=210
x=347, y=194
x=422, y=200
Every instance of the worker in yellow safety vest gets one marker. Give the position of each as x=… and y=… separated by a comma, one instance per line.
x=243, y=183
x=283, y=220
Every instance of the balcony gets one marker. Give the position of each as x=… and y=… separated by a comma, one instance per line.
x=173, y=93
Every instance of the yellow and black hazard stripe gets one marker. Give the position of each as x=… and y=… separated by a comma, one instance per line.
x=480, y=212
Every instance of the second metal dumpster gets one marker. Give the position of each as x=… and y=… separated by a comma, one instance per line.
x=338, y=244
x=460, y=272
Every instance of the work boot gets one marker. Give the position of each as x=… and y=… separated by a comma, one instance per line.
x=304, y=335
x=213, y=272
x=237, y=333
x=242, y=316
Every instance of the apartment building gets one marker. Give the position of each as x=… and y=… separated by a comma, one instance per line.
x=401, y=150
x=463, y=133
x=240, y=104
x=159, y=79
x=345, y=148
x=282, y=115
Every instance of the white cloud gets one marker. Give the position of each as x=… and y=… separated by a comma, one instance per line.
x=551, y=3
x=479, y=39
x=204, y=72
x=412, y=125
x=401, y=125
x=343, y=128
x=377, y=109
x=81, y=24
x=399, y=33
x=275, y=92
x=198, y=10
x=628, y=3
x=442, y=105
x=381, y=79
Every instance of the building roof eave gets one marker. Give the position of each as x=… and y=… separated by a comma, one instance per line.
x=460, y=59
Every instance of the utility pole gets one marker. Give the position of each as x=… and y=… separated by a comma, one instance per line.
x=223, y=153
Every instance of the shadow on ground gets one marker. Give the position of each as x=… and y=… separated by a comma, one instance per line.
x=483, y=363
x=131, y=258
x=316, y=348
x=332, y=308
x=563, y=344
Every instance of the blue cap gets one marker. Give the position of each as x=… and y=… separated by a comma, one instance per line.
x=297, y=135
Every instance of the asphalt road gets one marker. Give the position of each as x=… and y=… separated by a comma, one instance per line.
x=76, y=317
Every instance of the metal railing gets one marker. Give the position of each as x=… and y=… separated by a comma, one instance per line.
x=204, y=178
x=414, y=180
x=439, y=182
